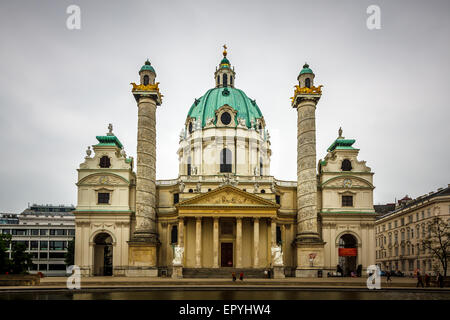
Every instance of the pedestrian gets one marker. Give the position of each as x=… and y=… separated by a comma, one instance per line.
x=419, y=279
x=269, y=273
x=427, y=279
x=241, y=276
x=233, y=275
x=388, y=277
x=440, y=280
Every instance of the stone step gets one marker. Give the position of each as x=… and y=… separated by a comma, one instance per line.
x=249, y=273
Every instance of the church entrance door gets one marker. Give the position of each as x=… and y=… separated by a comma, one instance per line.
x=226, y=254
x=103, y=255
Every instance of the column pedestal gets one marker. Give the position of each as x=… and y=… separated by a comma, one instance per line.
x=278, y=272
x=177, y=272
x=142, y=259
x=306, y=266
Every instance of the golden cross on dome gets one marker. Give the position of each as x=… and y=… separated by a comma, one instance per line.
x=224, y=50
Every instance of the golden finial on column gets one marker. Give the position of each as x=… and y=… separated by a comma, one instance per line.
x=224, y=50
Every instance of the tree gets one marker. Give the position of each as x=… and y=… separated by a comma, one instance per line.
x=438, y=241
x=21, y=260
x=5, y=262
x=70, y=255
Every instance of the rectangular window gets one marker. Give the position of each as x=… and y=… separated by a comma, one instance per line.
x=34, y=245
x=34, y=232
x=347, y=201
x=402, y=221
x=57, y=245
x=43, y=232
x=389, y=226
x=44, y=245
x=174, y=235
x=384, y=227
x=19, y=232
x=103, y=197
x=278, y=234
x=410, y=219
x=57, y=255
x=176, y=198
x=43, y=255
x=395, y=224
x=423, y=214
x=277, y=199
x=70, y=232
x=417, y=216
x=6, y=231
x=429, y=213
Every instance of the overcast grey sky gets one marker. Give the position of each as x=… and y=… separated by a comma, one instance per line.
x=59, y=88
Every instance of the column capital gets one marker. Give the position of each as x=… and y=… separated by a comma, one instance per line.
x=198, y=218
x=255, y=219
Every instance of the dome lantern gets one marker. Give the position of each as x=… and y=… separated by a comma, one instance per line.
x=306, y=77
x=225, y=75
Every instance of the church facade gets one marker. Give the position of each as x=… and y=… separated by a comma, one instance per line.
x=225, y=211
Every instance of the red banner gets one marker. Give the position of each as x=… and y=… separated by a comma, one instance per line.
x=348, y=252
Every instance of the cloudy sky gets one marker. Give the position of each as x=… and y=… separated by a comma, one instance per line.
x=59, y=88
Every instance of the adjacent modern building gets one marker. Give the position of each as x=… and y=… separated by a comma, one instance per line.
x=45, y=230
x=399, y=233
x=225, y=210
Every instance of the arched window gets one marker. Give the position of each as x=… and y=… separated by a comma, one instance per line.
x=225, y=80
x=218, y=80
x=346, y=165
x=263, y=191
x=174, y=235
x=146, y=80
x=105, y=162
x=225, y=160
x=308, y=82
x=261, y=166
x=231, y=80
x=190, y=127
x=189, y=166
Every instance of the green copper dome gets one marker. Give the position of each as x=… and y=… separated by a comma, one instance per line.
x=306, y=69
x=147, y=67
x=205, y=107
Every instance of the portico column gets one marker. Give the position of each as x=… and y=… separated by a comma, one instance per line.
x=238, y=242
x=256, y=242
x=181, y=232
x=198, y=242
x=216, y=243
x=273, y=229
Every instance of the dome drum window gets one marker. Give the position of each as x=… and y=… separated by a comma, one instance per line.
x=226, y=116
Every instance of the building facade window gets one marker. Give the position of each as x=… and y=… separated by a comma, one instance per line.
x=105, y=162
x=103, y=198
x=347, y=201
x=146, y=80
x=308, y=82
x=225, y=160
x=174, y=235
x=176, y=198
x=189, y=166
x=278, y=235
x=346, y=165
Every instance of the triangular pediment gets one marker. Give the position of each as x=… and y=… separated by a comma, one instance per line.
x=228, y=196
